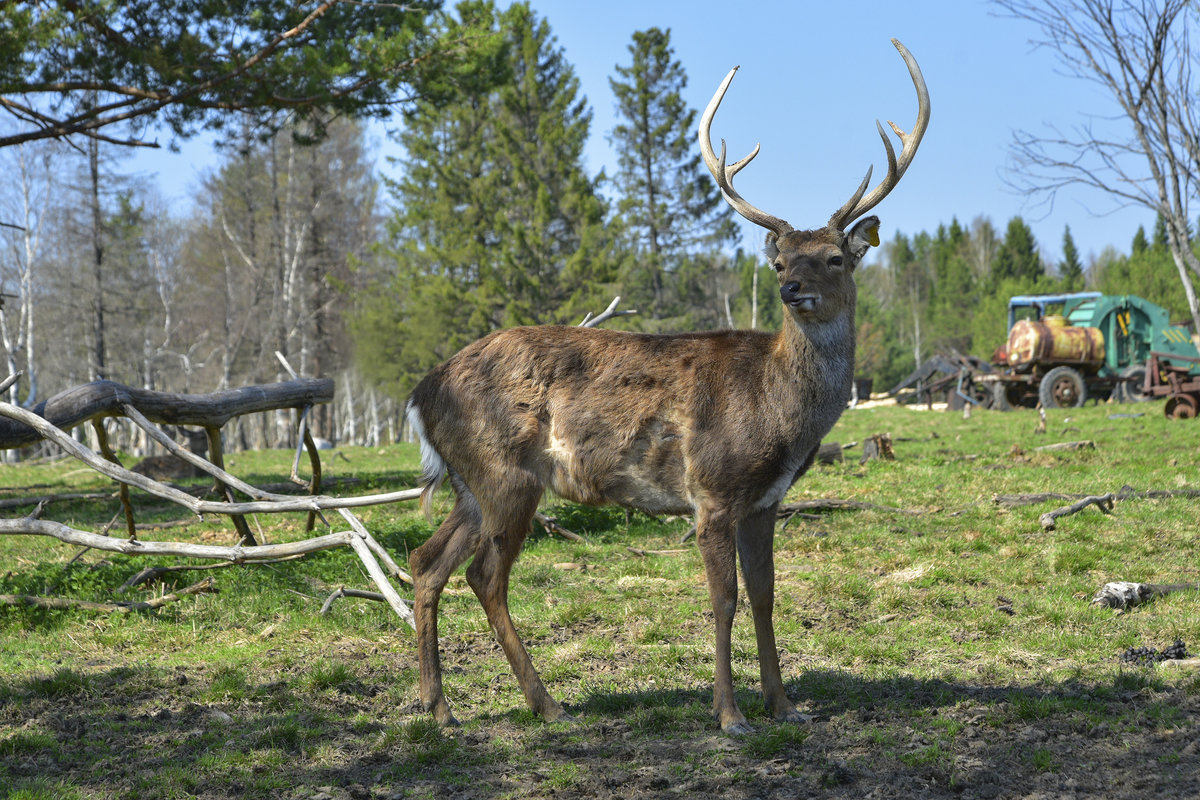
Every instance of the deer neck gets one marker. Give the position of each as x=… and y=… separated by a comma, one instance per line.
x=817, y=357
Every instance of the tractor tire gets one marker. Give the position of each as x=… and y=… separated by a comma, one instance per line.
x=1062, y=387
x=1181, y=406
x=1130, y=391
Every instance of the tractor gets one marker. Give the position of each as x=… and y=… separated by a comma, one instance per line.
x=1064, y=348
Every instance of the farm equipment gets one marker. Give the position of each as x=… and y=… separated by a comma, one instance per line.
x=1096, y=345
x=1178, y=383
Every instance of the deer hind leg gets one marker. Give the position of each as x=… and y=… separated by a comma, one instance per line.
x=432, y=563
x=506, y=522
x=755, y=542
x=715, y=533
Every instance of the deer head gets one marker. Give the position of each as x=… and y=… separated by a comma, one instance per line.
x=814, y=267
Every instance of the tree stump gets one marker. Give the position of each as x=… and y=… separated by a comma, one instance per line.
x=879, y=446
x=830, y=453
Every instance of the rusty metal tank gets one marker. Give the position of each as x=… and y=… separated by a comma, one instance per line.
x=1052, y=341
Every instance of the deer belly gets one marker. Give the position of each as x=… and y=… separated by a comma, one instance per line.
x=648, y=474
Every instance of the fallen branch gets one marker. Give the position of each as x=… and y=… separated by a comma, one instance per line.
x=1016, y=500
x=99, y=399
x=205, y=586
x=17, y=502
x=357, y=539
x=1102, y=502
x=639, y=552
x=1087, y=444
x=1126, y=594
x=343, y=591
x=268, y=503
x=552, y=526
x=834, y=504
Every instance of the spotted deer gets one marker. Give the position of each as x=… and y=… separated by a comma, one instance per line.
x=716, y=424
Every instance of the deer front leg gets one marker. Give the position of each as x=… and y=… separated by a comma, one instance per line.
x=755, y=542
x=432, y=563
x=715, y=532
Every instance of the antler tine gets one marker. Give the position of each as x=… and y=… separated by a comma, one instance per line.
x=909, y=142
x=724, y=174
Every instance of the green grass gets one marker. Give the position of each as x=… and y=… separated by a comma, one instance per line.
x=889, y=624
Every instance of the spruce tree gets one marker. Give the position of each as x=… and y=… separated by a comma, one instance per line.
x=1140, y=243
x=1017, y=258
x=497, y=223
x=669, y=205
x=1070, y=270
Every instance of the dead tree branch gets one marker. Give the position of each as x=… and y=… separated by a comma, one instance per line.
x=106, y=399
x=1102, y=502
x=358, y=538
x=205, y=586
x=344, y=591
x=604, y=316
x=1122, y=595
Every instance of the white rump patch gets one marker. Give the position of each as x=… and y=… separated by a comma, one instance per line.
x=433, y=466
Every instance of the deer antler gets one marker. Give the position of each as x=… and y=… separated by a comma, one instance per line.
x=858, y=205
x=724, y=174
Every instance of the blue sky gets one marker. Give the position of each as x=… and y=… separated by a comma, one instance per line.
x=814, y=78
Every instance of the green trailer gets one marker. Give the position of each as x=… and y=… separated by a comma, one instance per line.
x=1064, y=348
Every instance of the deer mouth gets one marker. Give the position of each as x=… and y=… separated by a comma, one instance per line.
x=805, y=302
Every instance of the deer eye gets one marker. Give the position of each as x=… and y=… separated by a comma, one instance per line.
x=778, y=266
x=835, y=261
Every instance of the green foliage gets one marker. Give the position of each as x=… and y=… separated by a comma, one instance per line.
x=1070, y=269
x=1149, y=272
x=671, y=211
x=1018, y=258
x=497, y=224
x=188, y=63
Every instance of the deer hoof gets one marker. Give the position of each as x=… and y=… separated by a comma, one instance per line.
x=557, y=714
x=795, y=717
x=740, y=728
x=442, y=714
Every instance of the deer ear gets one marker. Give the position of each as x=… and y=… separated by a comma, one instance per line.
x=770, y=248
x=863, y=235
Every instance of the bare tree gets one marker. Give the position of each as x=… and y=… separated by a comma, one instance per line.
x=27, y=201
x=1140, y=52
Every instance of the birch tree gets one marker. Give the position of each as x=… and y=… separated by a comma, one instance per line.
x=1139, y=52
x=25, y=210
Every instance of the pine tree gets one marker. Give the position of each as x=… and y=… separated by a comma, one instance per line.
x=1017, y=258
x=669, y=205
x=1070, y=270
x=1160, y=232
x=953, y=287
x=1140, y=243
x=497, y=223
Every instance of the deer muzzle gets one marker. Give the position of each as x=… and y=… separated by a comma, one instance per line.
x=794, y=295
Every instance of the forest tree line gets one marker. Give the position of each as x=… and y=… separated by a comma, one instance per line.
x=300, y=242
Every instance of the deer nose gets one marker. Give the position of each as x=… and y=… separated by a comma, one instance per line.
x=790, y=291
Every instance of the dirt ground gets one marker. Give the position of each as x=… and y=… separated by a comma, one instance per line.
x=130, y=726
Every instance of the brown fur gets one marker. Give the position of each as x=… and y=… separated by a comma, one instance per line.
x=716, y=424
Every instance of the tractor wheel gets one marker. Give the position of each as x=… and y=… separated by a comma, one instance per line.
x=1130, y=390
x=1062, y=387
x=1181, y=406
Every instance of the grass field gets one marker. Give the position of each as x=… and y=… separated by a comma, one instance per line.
x=944, y=650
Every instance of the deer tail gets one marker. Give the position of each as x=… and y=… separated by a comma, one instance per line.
x=433, y=466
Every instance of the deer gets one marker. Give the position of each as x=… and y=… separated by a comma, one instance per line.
x=716, y=424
